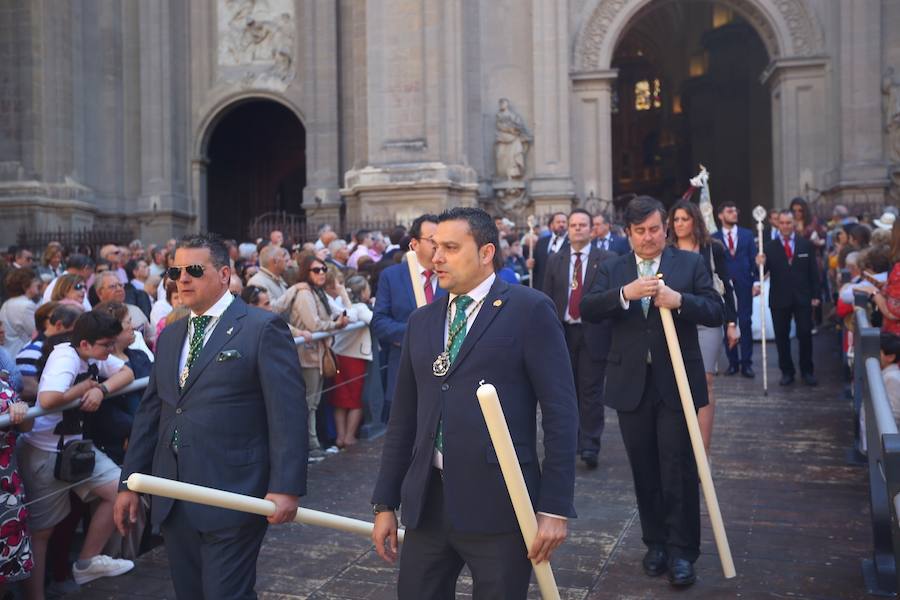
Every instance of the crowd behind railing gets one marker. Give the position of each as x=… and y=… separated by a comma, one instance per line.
x=325, y=290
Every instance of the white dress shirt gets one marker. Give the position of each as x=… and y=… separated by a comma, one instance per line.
x=730, y=233
x=433, y=280
x=556, y=242
x=585, y=253
x=215, y=311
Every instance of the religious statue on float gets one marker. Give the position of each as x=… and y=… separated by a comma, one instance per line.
x=511, y=142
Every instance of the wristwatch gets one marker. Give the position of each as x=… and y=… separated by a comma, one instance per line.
x=104, y=389
x=380, y=508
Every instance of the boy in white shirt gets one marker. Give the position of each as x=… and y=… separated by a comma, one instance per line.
x=70, y=373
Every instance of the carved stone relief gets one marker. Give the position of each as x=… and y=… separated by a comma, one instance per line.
x=256, y=41
x=512, y=139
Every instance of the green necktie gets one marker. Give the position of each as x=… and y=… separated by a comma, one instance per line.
x=194, y=347
x=455, y=337
x=646, y=271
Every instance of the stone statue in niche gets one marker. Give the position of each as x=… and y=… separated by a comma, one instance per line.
x=890, y=89
x=256, y=40
x=511, y=142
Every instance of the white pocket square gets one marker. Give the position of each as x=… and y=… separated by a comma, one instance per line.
x=803, y=255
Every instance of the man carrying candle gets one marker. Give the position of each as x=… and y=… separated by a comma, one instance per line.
x=438, y=462
x=640, y=381
x=225, y=408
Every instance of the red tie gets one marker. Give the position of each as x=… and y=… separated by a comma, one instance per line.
x=730, y=243
x=577, y=288
x=787, y=250
x=429, y=291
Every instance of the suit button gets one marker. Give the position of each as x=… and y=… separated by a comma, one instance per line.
x=178, y=411
x=445, y=387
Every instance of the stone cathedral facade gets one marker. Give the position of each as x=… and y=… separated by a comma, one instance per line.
x=182, y=115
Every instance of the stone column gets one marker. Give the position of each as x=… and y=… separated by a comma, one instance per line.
x=551, y=185
x=799, y=126
x=592, y=133
x=165, y=125
x=415, y=111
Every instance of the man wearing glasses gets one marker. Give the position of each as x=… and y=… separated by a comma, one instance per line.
x=110, y=289
x=224, y=409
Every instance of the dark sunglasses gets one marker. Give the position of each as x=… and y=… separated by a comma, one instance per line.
x=195, y=271
x=318, y=270
x=78, y=286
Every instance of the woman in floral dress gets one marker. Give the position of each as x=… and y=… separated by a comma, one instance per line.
x=15, y=544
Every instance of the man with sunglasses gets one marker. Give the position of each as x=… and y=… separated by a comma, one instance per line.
x=224, y=409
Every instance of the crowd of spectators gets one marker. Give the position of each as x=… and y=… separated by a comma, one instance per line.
x=78, y=325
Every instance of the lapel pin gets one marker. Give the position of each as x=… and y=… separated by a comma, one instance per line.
x=498, y=303
x=230, y=329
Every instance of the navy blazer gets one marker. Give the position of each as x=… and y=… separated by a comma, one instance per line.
x=541, y=256
x=556, y=285
x=394, y=303
x=241, y=417
x=742, y=265
x=516, y=343
x=633, y=335
x=795, y=282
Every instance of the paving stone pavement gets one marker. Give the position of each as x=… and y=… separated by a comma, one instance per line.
x=795, y=512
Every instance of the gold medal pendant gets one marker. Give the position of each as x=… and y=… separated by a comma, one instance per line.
x=441, y=365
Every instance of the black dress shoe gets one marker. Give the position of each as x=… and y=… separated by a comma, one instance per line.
x=810, y=380
x=681, y=572
x=590, y=458
x=655, y=562
x=786, y=380
x=732, y=369
x=748, y=372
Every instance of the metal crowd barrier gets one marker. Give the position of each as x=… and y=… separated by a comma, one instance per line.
x=883, y=448
x=141, y=383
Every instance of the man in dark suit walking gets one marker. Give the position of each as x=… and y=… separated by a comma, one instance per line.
x=740, y=259
x=396, y=300
x=224, y=408
x=548, y=246
x=438, y=462
x=793, y=291
x=640, y=381
x=569, y=272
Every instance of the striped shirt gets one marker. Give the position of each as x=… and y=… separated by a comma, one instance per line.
x=28, y=357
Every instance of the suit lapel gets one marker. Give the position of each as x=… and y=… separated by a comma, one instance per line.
x=410, y=292
x=594, y=259
x=486, y=314
x=174, y=358
x=436, y=327
x=228, y=326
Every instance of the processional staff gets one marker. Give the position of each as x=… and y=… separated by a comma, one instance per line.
x=759, y=214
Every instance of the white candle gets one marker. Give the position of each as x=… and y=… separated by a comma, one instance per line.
x=515, y=482
x=168, y=488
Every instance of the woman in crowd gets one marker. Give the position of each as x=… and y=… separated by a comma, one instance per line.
x=687, y=231
x=110, y=426
x=51, y=261
x=16, y=560
x=354, y=353
x=17, y=313
x=256, y=296
x=69, y=289
x=887, y=297
x=162, y=307
x=309, y=309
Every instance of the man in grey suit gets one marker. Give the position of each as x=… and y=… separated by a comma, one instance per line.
x=225, y=408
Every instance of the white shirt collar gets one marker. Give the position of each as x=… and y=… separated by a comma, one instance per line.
x=585, y=252
x=215, y=311
x=728, y=229
x=638, y=260
x=479, y=291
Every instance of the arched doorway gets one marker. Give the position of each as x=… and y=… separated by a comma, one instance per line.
x=688, y=91
x=256, y=165
x=794, y=81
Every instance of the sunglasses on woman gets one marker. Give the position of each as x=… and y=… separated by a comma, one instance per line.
x=318, y=270
x=78, y=286
x=195, y=271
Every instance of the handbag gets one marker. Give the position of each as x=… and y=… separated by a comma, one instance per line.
x=718, y=284
x=329, y=362
x=74, y=460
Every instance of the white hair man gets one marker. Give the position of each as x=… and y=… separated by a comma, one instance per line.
x=273, y=262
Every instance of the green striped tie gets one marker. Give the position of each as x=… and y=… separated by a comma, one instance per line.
x=459, y=321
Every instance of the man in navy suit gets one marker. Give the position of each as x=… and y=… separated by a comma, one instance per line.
x=740, y=257
x=570, y=272
x=223, y=409
x=602, y=236
x=438, y=462
x=547, y=246
x=640, y=381
x=793, y=292
x=396, y=300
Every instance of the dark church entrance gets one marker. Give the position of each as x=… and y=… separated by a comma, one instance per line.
x=688, y=92
x=257, y=165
